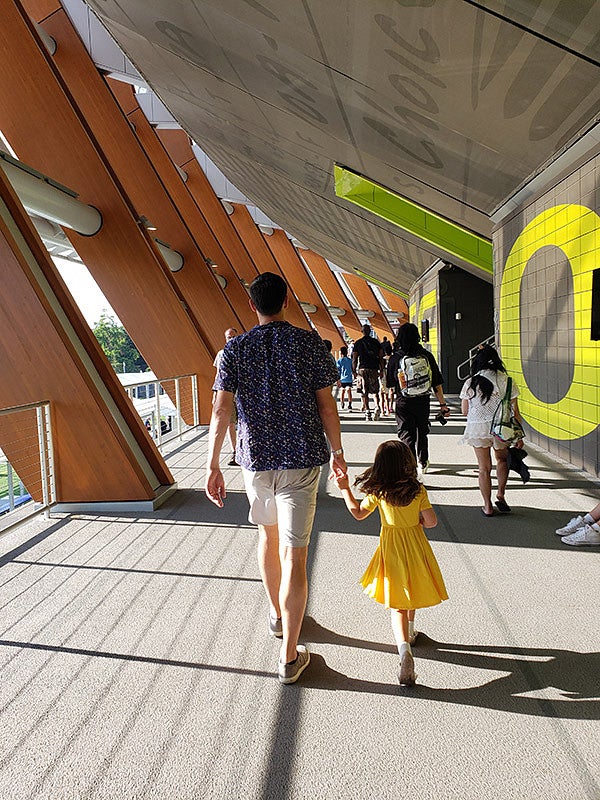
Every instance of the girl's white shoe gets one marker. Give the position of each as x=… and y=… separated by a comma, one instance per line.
x=406, y=676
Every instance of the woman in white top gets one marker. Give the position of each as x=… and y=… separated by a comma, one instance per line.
x=481, y=394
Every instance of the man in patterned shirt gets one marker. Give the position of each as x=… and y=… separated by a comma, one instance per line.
x=281, y=377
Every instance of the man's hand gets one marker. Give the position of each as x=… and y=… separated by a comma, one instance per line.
x=214, y=486
x=338, y=467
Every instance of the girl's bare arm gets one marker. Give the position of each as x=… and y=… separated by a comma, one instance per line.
x=352, y=503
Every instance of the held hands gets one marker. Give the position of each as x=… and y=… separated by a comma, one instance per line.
x=342, y=482
x=338, y=466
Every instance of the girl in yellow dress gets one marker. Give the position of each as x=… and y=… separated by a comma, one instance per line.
x=403, y=574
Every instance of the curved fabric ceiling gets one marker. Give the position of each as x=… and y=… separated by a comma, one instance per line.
x=450, y=103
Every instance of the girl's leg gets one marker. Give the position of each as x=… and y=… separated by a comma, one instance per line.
x=406, y=676
x=400, y=627
x=484, y=463
x=501, y=470
x=412, y=633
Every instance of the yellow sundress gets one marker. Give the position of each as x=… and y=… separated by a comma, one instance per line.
x=403, y=572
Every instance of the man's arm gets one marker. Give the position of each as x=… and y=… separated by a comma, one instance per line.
x=331, y=423
x=214, y=485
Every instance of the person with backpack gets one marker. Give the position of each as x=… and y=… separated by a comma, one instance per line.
x=413, y=372
x=367, y=364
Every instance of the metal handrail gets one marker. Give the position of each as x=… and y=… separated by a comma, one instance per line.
x=156, y=413
x=490, y=340
x=45, y=454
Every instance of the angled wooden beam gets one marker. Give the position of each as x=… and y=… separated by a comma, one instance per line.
x=367, y=301
x=265, y=259
x=300, y=281
x=150, y=177
x=333, y=291
x=102, y=451
x=178, y=146
x=50, y=135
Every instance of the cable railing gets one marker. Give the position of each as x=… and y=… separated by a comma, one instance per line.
x=168, y=407
x=467, y=362
x=27, y=474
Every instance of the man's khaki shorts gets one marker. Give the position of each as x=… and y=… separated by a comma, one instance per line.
x=284, y=497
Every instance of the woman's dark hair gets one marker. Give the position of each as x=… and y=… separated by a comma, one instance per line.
x=393, y=476
x=485, y=358
x=408, y=339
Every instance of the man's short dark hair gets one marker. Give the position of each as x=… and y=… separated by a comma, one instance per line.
x=344, y=350
x=268, y=292
x=366, y=329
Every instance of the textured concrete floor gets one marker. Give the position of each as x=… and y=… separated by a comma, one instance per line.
x=135, y=662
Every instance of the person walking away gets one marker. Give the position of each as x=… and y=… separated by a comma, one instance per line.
x=413, y=372
x=367, y=363
x=230, y=334
x=281, y=377
x=403, y=574
x=344, y=367
x=480, y=396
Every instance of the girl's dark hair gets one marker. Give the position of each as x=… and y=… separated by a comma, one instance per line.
x=393, y=476
x=408, y=339
x=486, y=358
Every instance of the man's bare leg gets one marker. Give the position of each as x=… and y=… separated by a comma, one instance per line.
x=293, y=595
x=270, y=565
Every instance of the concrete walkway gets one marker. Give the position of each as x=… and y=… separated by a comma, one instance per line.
x=135, y=660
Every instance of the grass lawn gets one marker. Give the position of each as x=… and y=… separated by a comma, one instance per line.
x=4, y=481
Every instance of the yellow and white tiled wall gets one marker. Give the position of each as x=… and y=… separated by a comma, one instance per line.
x=423, y=305
x=545, y=255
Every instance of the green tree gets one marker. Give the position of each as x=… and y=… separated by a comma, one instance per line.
x=118, y=345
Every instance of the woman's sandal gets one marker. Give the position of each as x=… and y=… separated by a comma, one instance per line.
x=503, y=506
x=485, y=514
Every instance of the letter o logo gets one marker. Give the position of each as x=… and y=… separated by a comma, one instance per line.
x=575, y=230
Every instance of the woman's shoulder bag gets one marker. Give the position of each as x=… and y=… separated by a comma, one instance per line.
x=505, y=426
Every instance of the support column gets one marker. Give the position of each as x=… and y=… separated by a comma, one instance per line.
x=265, y=259
x=149, y=176
x=396, y=303
x=102, y=451
x=178, y=146
x=303, y=287
x=367, y=301
x=48, y=134
x=332, y=291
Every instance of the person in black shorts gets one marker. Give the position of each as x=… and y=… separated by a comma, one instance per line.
x=367, y=364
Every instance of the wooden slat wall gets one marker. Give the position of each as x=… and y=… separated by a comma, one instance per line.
x=302, y=285
x=364, y=294
x=333, y=291
x=50, y=135
x=39, y=361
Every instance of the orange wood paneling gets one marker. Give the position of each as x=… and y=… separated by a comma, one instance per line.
x=299, y=280
x=367, y=300
x=265, y=259
x=396, y=303
x=149, y=176
x=38, y=9
x=333, y=291
x=47, y=133
x=40, y=361
x=177, y=144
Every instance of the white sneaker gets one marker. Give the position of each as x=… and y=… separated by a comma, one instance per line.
x=422, y=469
x=574, y=525
x=588, y=536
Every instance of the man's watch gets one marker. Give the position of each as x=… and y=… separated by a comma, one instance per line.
x=337, y=452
